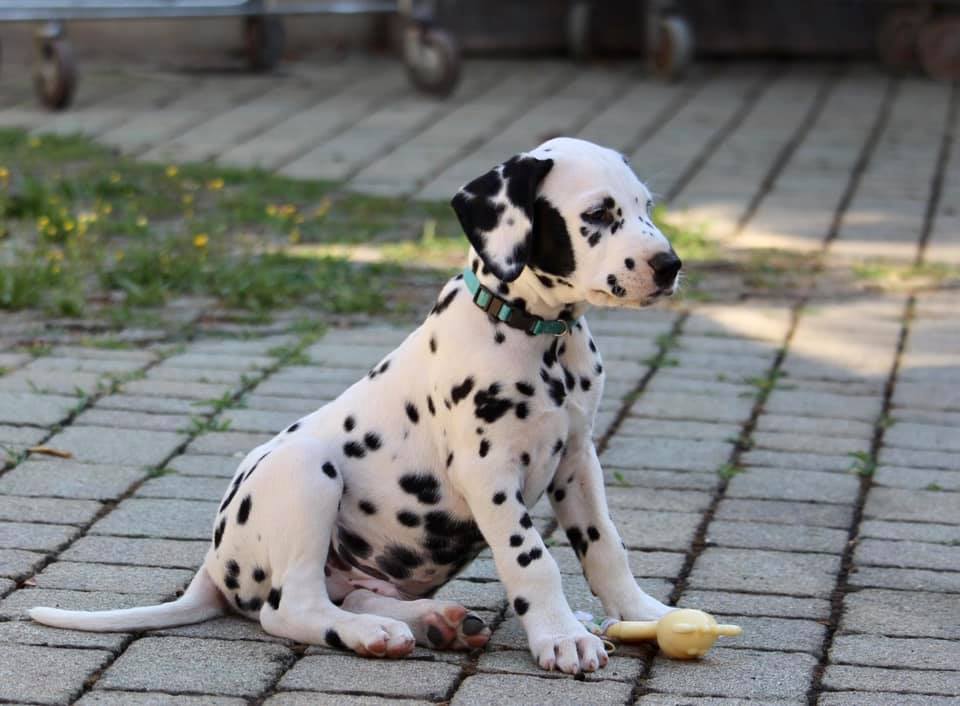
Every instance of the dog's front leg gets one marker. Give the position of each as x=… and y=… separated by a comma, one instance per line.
x=531, y=576
x=579, y=501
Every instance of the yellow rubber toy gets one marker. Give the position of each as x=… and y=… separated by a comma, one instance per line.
x=681, y=634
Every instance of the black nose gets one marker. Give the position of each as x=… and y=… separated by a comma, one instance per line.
x=665, y=266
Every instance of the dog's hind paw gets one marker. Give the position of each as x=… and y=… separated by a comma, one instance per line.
x=449, y=626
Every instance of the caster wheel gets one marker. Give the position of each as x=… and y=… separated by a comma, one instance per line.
x=55, y=73
x=674, y=48
x=897, y=39
x=264, y=38
x=433, y=60
x=939, y=49
x=578, y=31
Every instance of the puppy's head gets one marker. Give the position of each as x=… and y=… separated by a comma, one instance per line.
x=576, y=215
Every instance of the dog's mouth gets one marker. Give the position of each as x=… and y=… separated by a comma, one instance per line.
x=600, y=297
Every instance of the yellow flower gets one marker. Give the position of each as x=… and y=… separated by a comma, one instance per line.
x=118, y=255
x=56, y=254
x=271, y=210
x=106, y=209
x=68, y=225
x=141, y=221
x=295, y=235
x=200, y=240
x=114, y=178
x=171, y=170
x=323, y=208
x=186, y=199
x=4, y=176
x=215, y=184
x=34, y=142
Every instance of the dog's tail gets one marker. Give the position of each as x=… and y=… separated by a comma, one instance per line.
x=201, y=601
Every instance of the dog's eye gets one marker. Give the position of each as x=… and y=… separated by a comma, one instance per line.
x=598, y=216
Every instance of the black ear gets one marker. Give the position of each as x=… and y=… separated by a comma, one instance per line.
x=496, y=212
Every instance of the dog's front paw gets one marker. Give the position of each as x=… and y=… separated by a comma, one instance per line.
x=574, y=652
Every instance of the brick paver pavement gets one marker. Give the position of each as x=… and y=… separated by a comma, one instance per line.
x=788, y=461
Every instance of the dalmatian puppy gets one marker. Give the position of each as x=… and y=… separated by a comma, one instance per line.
x=340, y=529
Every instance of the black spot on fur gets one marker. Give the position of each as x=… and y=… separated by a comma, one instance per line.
x=569, y=379
x=442, y=305
x=218, y=533
x=555, y=388
x=259, y=574
x=503, y=289
x=354, y=542
x=423, y=485
x=449, y=459
x=243, y=514
x=349, y=423
x=293, y=427
x=519, y=497
x=430, y=407
x=459, y=392
x=372, y=440
x=525, y=521
x=329, y=469
x=521, y=410
x=525, y=459
x=551, y=250
x=273, y=598
x=433, y=344
x=629, y=263
x=231, y=582
x=499, y=338
x=585, y=384
x=250, y=472
x=523, y=559
x=367, y=507
x=516, y=540
x=412, y=414
x=558, y=446
x=593, y=533
x=560, y=495
x=408, y=519
x=535, y=553
x=521, y=605
x=397, y=561
x=253, y=605
x=525, y=388
x=484, y=448
x=598, y=368
x=333, y=640
x=489, y=406
x=233, y=568
x=354, y=450
x=499, y=498
x=233, y=491
x=575, y=537
x=545, y=281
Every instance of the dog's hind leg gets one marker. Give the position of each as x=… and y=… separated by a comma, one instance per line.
x=303, y=506
x=436, y=624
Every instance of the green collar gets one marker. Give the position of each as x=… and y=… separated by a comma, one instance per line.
x=512, y=316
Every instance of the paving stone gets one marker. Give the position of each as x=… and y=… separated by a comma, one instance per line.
x=492, y=688
x=68, y=479
x=17, y=603
x=919, y=531
x=187, y=390
x=765, y=571
x=314, y=698
x=804, y=443
x=913, y=458
x=127, y=419
x=667, y=453
x=905, y=579
x=227, y=442
x=643, y=529
x=295, y=406
x=784, y=512
x=912, y=555
x=807, y=404
x=695, y=431
x=20, y=437
x=49, y=382
x=173, y=553
x=473, y=594
x=135, y=447
x=877, y=651
x=151, y=404
x=929, y=681
x=346, y=674
x=229, y=378
x=35, y=536
x=691, y=407
x=17, y=564
x=738, y=673
x=802, y=486
x=191, y=665
x=911, y=505
x=205, y=465
x=112, y=577
x=233, y=627
x=647, y=478
x=69, y=512
x=674, y=700
x=781, y=537
x=926, y=396
x=642, y=563
x=255, y=420
x=916, y=478
x=731, y=603
x=625, y=669
x=30, y=408
x=654, y=499
x=188, y=487
x=776, y=634
x=141, y=698
x=47, y=675
x=794, y=460
x=822, y=425
x=27, y=632
x=886, y=698
x=922, y=436
x=897, y=614
x=170, y=519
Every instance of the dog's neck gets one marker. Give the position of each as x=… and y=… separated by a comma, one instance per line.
x=530, y=294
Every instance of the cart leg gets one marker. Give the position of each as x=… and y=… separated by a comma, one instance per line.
x=580, y=30
x=264, y=39
x=939, y=48
x=55, y=71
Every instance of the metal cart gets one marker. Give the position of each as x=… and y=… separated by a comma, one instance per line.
x=430, y=54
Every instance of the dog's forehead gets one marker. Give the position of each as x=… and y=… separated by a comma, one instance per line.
x=584, y=168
